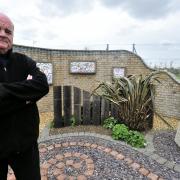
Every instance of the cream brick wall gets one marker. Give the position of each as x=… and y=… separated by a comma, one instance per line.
x=167, y=100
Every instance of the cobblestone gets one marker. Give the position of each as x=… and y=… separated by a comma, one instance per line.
x=70, y=158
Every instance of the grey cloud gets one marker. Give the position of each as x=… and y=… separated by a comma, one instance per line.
x=28, y=34
x=64, y=7
x=145, y=9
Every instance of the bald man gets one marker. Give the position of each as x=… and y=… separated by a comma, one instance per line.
x=22, y=84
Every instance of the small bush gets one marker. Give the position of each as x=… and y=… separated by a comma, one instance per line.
x=120, y=131
x=134, y=138
x=109, y=123
x=51, y=124
x=73, y=121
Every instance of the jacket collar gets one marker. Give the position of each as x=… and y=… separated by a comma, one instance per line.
x=6, y=55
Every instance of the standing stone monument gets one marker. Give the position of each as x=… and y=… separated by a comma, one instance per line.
x=177, y=137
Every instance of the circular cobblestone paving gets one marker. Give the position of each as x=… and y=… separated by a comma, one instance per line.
x=93, y=158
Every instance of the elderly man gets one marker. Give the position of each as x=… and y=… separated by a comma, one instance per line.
x=22, y=84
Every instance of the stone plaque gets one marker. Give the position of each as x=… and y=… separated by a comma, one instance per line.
x=82, y=67
x=118, y=72
x=46, y=68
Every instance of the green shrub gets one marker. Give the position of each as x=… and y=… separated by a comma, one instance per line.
x=136, y=139
x=120, y=131
x=73, y=121
x=51, y=124
x=109, y=123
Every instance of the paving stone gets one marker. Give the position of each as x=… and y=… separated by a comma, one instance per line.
x=80, y=143
x=81, y=133
x=45, y=165
x=155, y=156
x=65, y=144
x=81, y=177
x=87, y=144
x=57, y=172
x=59, y=157
x=44, y=171
x=152, y=176
x=61, y=177
x=177, y=137
x=161, y=160
x=128, y=160
x=69, y=162
x=169, y=164
x=120, y=156
x=100, y=147
x=114, y=153
x=149, y=152
x=77, y=154
x=89, y=161
x=83, y=156
x=57, y=145
x=73, y=143
x=60, y=165
x=72, y=178
x=77, y=165
x=162, y=179
x=90, y=166
x=42, y=145
x=50, y=147
x=177, y=168
x=144, y=171
x=52, y=161
x=88, y=172
x=42, y=150
x=135, y=166
x=67, y=154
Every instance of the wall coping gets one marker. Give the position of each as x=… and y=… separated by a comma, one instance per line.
x=171, y=75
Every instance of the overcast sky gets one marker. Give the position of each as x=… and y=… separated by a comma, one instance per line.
x=153, y=25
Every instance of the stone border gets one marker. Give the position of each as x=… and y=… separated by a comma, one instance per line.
x=148, y=151
x=58, y=171
x=177, y=137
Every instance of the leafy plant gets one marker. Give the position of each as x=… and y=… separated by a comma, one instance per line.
x=73, y=121
x=136, y=139
x=109, y=123
x=120, y=131
x=51, y=124
x=134, y=97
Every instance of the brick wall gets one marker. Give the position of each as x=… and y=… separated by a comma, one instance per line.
x=167, y=94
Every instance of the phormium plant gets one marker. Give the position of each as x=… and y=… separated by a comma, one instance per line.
x=134, y=97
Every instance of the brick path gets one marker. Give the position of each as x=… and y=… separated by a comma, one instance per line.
x=57, y=164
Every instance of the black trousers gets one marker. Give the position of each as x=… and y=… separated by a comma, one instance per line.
x=26, y=165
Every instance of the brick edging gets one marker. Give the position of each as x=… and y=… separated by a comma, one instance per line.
x=148, y=151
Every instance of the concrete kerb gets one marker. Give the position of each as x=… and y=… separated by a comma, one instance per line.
x=177, y=137
x=148, y=151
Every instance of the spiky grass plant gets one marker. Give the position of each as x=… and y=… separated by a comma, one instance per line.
x=134, y=96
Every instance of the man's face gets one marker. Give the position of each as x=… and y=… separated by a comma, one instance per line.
x=6, y=34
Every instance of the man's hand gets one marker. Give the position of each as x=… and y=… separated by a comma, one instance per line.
x=29, y=77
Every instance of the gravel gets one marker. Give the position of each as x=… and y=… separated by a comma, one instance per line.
x=107, y=167
x=166, y=147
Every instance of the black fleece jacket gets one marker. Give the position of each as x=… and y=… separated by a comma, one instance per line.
x=19, y=117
